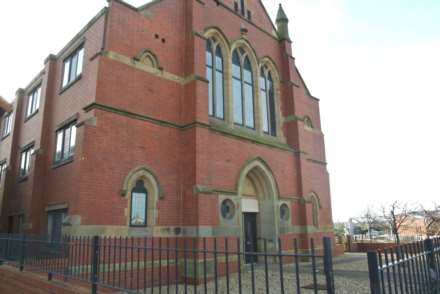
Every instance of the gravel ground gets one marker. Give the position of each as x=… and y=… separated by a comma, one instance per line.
x=351, y=277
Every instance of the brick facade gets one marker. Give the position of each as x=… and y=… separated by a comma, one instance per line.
x=151, y=121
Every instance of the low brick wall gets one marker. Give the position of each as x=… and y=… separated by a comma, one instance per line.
x=338, y=249
x=12, y=281
x=365, y=247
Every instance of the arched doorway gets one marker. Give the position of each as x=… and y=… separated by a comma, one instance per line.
x=258, y=194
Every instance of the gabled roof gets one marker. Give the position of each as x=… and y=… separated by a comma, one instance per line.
x=303, y=82
x=267, y=15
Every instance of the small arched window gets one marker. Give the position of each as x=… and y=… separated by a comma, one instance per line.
x=315, y=209
x=242, y=89
x=308, y=122
x=139, y=205
x=214, y=74
x=268, y=114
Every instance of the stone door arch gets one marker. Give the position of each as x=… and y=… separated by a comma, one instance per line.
x=256, y=186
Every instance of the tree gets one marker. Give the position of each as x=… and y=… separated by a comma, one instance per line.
x=396, y=215
x=432, y=220
x=339, y=229
x=371, y=219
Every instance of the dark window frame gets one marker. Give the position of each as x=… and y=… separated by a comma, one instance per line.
x=74, y=56
x=34, y=95
x=269, y=91
x=242, y=57
x=65, y=156
x=25, y=154
x=242, y=8
x=213, y=48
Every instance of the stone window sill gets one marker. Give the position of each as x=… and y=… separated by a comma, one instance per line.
x=70, y=84
x=31, y=116
x=62, y=163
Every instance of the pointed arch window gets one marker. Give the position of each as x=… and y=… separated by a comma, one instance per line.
x=242, y=89
x=215, y=74
x=139, y=203
x=268, y=114
x=308, y=122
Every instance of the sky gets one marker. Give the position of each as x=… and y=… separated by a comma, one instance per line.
x=374, y=64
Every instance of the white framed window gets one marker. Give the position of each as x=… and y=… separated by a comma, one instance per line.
x=73, y=66
x=33, y=102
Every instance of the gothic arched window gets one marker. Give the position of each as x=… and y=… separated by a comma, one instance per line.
x=242, y=89
x=214, y=74
x=139, y=205
x=268, y=114
x=308, y=122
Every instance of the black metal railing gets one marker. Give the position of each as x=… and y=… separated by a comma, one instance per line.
x=176, y=265
x=408, y=268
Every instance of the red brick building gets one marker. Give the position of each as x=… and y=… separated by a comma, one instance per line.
x=177, y=118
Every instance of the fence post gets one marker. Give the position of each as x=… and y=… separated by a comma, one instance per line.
x=373, y=268
x=95, y=264
x=22, y=252
x=430, y=260
x=328, y=265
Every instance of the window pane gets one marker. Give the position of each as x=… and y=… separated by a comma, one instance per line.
x=209, y=76
x=264, y=112
x=9, y=123
x=59, y=146
x=210, y=94
x=236, y=67
x=80, y=62
x=28, y=160
x=66, y=72
x=249, y=105
x=238, y=108
x=23, y=163
x=218, y=59
x=73, y=67
x=247, y=71
x=66, y=143
x=37, y=99
x=271, y=104
x=29, y=105
x=262, y=81
x=138, y=209
x=219, y=96
x=208, y=53
x=72, y=140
